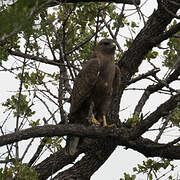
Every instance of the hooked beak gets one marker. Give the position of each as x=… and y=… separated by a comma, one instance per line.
x=114, y=45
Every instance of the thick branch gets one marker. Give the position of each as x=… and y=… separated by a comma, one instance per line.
x=143, y=43
x=61, y=130
x=152, y=149
x=167, y=34
x=95, y=158
x=53, y=163
x=122, y=135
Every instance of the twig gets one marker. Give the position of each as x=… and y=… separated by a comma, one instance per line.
x=38, y=151
x=120, y=18
x=20, y=101
x=112, y=34
x=36, y=58
x=154, y=88
x=142, y=76
x=27, y=148
x=161, y=111
x=163, y=128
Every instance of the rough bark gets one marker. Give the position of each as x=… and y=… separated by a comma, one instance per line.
x=53, y=163
x=90, y=162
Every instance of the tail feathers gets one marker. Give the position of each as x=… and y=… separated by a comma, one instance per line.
x=71, y=145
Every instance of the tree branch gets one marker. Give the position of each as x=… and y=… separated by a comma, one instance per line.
x=61, y=130
x=143, y=76
x=167, y=34
x=152, y=149
x=57, y=2
x=162, y=110
x=122, y=135
x=53, y=163
x=95, y=158
x=154, y=88
x=143, y=42
x=36, y=58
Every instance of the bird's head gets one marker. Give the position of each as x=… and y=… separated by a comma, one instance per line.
x=107, y=46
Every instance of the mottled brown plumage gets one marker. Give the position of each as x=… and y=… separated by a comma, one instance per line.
x=93, y=87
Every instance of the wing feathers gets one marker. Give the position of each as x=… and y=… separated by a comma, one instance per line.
x=83, y=83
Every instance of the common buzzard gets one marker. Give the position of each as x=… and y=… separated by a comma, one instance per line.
x=93, y=87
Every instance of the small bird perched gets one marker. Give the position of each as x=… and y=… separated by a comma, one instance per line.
x=93, y=85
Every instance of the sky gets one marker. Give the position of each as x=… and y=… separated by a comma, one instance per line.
x=122, y=160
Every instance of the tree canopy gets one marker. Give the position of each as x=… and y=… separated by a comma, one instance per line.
x=43, y=45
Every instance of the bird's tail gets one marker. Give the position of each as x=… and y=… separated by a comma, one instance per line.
x=71, y=145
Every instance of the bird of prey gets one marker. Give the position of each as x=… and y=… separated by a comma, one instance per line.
x=93, y=87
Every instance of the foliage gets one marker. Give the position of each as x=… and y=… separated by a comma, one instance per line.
x=18, y=13
x=132, y=122
x=30, y=79
x=53, y=143
x=172, y=51
x=19, y=105
x=18, y=171
x=152, y=167
x=176, y=117
x=152, y=55
x=128, y=177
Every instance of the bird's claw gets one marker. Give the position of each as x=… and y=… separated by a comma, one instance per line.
x=108, y=125
x=95, y=121
x=105, y=123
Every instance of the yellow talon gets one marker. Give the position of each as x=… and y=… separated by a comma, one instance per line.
x=105, y=123
x=94, y=121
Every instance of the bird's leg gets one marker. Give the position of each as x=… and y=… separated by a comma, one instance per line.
x=105, y=122
x=94, y=121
